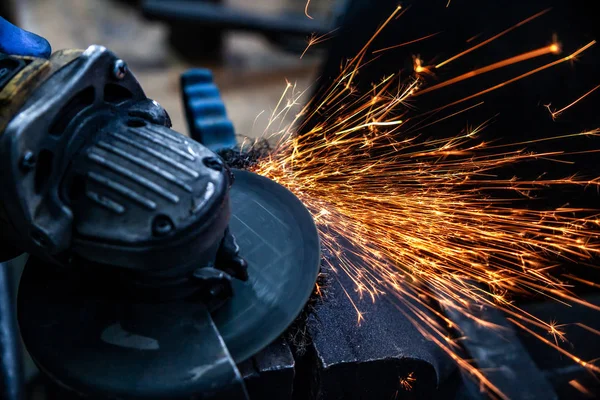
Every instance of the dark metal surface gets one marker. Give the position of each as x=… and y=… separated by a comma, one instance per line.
x=278, y=239
x=376, y=354
x=11, y=364
x=501, y=355
x=580, y=327
x=270, y=373
x=94, y=342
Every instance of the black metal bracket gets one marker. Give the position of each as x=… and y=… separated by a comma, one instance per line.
x=11, y=364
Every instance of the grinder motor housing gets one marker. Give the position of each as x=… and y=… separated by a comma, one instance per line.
x=92, y=171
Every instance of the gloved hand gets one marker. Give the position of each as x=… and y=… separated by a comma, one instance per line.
x=16, y=41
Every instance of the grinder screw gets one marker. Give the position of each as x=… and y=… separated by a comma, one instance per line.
x=213, y=163
x=162, y=225
x=28, y=161
x=120, y=69
x=40, y=238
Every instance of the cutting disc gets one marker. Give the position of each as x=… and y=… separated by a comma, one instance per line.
x=279, y=240
x=94, y=342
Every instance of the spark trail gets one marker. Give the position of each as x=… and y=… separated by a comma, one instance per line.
x=419, y=214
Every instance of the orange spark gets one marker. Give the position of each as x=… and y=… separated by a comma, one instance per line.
x=406, y=43
x=555, y=114
x=586, y=365
x=557, y=333
x=582, y=389
x=553, y=48
x=419, y=68
x=504, y=32
x=418, y=213
x=314, y=39
x=408, y=381
x=469, y=40
x=584, y=281
x=525, y=75
x=306, y=9
x=588, y=328
x=359, y=57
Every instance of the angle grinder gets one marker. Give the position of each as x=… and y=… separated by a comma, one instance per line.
x=153, y=268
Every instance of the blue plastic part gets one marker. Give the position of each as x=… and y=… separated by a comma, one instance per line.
x=205, y=112
x=18, y=42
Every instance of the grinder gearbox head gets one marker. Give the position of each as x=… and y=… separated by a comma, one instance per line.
x=91, y=169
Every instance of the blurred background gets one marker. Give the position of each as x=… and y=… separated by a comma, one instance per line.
x=250, y=66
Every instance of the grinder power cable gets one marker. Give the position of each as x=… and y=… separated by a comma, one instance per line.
x=153, y=268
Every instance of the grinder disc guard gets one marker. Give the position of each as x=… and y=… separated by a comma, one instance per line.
x=279, y=240
x=93, y=342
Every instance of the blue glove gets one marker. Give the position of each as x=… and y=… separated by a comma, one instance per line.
x=16, y=41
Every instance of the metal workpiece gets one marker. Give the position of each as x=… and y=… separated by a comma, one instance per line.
x=501, y=355
x=385, y=355
x=270, y=373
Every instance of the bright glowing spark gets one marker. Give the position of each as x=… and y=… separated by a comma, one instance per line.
x=555, y=114
x=419, y=68
x=551, y=49
x=417, y=216
x=588, y=328
x=586, y=365
x=408, y=381
x=306, y=9
x=582, y=389
x=469, y=40
x=406, y=43
x=570, y=57
x=314, y=40
x=556, y=331
x=487, y=41
x=357, y=60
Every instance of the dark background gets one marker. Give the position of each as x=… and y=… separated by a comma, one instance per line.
x=520, y=105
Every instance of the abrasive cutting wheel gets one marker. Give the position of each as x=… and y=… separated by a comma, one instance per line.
x=92, y=339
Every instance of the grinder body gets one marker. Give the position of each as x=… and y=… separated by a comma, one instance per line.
x=91, y=170
x=136, y=287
